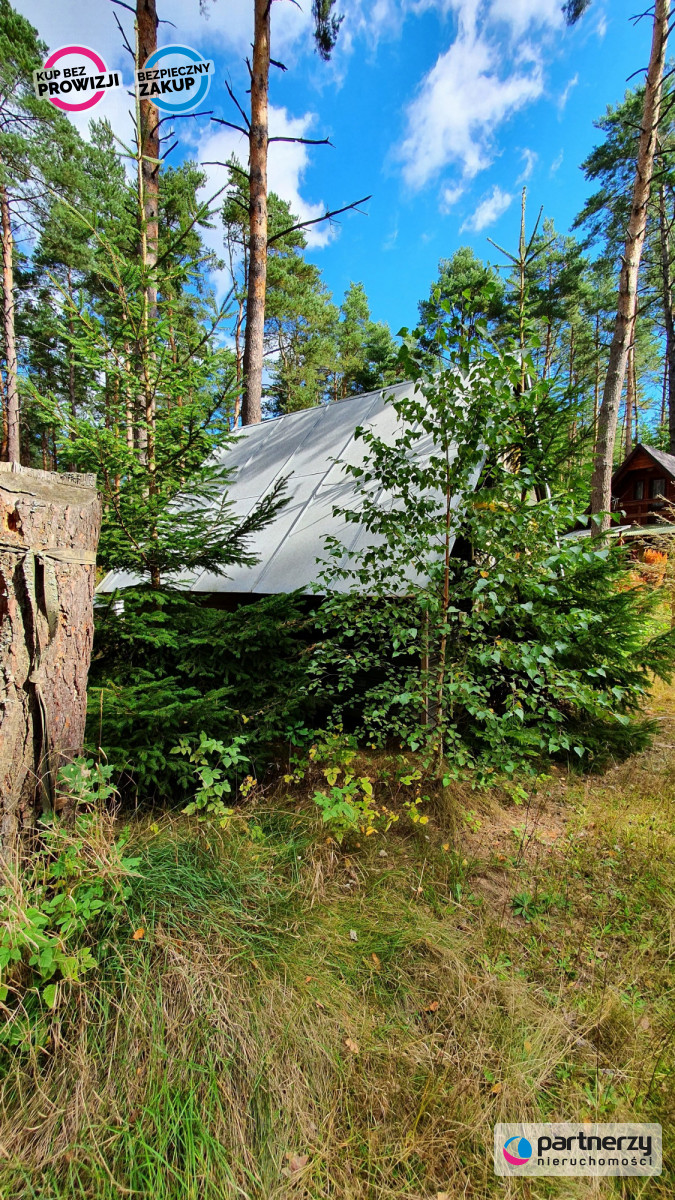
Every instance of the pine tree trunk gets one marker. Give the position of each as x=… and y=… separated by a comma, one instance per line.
x=71, y=359
x=601, y=482
x=668, y=315
x=632, y=367
x=49, y=528
x=251, y=411
x=3, y=429
x=146, y=18
x=596, y=384
x=148, y=186
x=11, y=379
x=630, y=404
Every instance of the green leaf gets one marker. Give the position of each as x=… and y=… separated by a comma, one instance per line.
x=49, y=994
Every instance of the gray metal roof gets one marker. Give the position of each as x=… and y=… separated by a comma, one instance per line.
x=310, y=447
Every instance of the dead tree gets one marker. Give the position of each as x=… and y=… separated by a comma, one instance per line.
x=49, y=529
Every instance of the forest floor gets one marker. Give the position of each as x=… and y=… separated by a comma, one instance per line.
x=301, y=1020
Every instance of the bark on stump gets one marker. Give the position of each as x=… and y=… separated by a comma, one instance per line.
x=49, y=529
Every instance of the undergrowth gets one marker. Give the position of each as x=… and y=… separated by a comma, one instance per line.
x=274, y=1014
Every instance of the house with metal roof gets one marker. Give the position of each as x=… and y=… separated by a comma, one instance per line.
x=310, y=449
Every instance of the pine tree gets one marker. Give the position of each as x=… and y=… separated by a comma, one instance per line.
x=32, y=132
x=367, y=356
x=326, y=28
x=463, y=284
x=628, y=277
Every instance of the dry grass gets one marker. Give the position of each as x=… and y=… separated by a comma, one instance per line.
x=249, y=1046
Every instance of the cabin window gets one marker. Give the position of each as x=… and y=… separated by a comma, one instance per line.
x=658, y=488
x=639, y=490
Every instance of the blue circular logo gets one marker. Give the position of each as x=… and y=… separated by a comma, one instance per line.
x=175, y=78
x=517, y=1151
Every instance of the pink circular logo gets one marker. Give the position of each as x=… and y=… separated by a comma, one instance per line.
x=81, y=52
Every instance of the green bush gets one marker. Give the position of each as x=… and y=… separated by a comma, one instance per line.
x=58, y=904
x=515, y=641
x=168, y=666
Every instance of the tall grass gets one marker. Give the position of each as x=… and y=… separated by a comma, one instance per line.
x=300, y=1020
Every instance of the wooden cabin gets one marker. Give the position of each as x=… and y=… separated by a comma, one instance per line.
x=643, y=487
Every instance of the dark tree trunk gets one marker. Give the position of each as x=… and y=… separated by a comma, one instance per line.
x=251, y=412
x=49, y=529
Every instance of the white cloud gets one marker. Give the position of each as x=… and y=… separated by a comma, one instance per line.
x=557, y=163
x=567, y=90
x=451, y=196
x=370, y=21
x=461, y=102
x=229, y=23
x=527, y=14
x=490, y=209
x=529, y=158
x=225, y=23
x=493, y=67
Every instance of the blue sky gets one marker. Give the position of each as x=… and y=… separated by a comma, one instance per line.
x=441, y=109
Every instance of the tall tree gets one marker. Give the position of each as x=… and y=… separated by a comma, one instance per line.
x=148, y=165
x=666, y=219
x=149, y=147
x=601, y=482
x=605, y=217
x=298, y=313
x=27, y=126
x=326, y=26
x=257, y=248
x=366, y=352
x=468, y=287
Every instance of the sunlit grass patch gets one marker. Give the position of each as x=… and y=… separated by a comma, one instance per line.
x=301, y=1019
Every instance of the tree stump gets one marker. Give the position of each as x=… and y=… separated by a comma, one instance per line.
x=49, y=529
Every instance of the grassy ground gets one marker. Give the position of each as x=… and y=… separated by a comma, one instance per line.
x=302, y=1020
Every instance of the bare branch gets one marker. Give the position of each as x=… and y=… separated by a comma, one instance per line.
x=123, y=5
x=534, y=231
x=125, y=40
x=280, y=65
x=220, y=121
x=230, y=166
x=234, y=100
x=303, y=141
x=207, y=112
x=327, y=216
x=502, y=250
